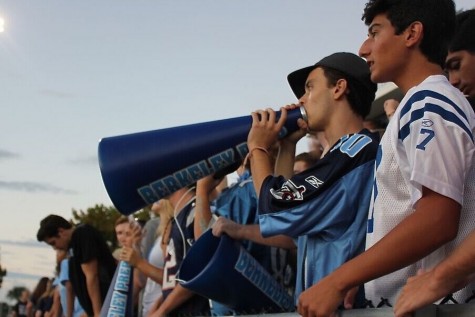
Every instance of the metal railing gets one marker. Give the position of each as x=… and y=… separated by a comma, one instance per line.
x=458, y=310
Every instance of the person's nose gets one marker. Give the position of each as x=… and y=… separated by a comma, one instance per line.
x=454, y=78
x=364, y=50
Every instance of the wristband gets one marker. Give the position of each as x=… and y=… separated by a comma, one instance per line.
x=249, y=155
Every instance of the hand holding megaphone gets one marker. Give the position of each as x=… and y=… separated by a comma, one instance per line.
x=141, y=168
x=267, y=126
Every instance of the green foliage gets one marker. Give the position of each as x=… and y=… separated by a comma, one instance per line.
x=100, y=217
x=3, y=272
x=15, y=292
x=103, y=218
x=4, y=308
x=143, y=215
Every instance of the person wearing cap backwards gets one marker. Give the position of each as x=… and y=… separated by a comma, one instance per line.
x=423, y=195
x=324, y=207
x=453, y=272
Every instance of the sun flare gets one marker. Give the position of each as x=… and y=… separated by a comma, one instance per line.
x=2, y=25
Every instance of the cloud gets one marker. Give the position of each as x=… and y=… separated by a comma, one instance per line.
x=86, y=161
x=33, y=187
x=24, y=243
x=56, y=94
x=23, y=276
x=4, y=154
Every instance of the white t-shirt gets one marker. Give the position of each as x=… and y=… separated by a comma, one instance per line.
x=429, y=143
x=152, y=289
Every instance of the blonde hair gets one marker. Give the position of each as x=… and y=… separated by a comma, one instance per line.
x=121, y=220
x=166, y=214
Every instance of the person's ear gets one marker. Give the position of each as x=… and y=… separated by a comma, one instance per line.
x=60, y=231
x=414, y=33
x=340, y=89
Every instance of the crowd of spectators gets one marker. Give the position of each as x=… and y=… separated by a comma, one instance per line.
x=331, y=229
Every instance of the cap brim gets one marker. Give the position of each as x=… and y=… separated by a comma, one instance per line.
x=297, y=80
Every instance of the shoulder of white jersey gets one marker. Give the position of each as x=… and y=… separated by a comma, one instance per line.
x=438, y=101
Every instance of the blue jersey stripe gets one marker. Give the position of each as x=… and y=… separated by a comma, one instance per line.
x=379, y=156
x=421, y=95
x=429, y=107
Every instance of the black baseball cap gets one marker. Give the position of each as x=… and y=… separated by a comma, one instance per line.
x=349, y=64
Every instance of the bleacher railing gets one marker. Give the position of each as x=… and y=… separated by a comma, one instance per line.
x=459, y=310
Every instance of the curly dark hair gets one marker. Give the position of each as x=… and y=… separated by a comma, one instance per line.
x=437, y=17
x=464, y=36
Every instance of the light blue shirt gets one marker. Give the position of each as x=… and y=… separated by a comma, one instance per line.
x=63, y=278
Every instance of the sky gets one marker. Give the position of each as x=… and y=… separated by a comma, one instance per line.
x=73, y=72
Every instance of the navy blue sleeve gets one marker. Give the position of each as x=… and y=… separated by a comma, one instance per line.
x=319, y=198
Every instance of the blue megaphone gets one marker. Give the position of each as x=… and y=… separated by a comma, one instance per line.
x=139, y=169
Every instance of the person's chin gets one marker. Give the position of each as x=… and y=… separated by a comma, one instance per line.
x=376, y=77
